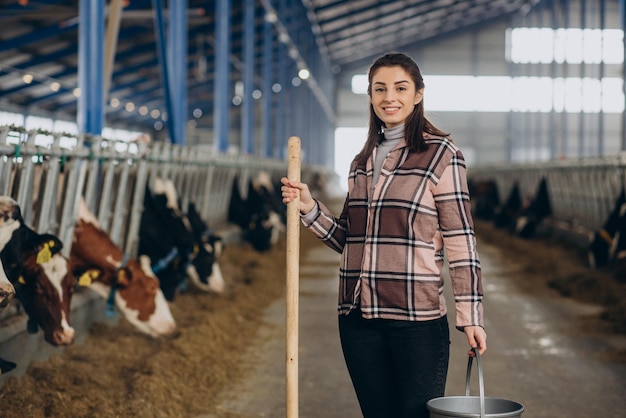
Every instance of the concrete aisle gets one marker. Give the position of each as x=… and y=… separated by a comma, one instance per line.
x=325, y=389
x=535, y=357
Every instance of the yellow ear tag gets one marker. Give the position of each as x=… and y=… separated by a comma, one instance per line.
x=21, y=280
x=44, y=255
x=121, y=275
x=196, y=249
x=84, y=279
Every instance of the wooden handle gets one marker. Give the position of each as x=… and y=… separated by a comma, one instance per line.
x=292, y=294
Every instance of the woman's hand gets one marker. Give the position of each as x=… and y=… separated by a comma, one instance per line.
x=290, y=191
x=476, y=337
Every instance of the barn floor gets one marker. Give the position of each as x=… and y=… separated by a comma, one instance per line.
x=552, y=353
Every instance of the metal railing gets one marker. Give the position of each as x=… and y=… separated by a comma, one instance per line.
x=582, y=191
x=48, y=173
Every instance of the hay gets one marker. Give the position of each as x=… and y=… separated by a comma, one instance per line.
x=118, y=372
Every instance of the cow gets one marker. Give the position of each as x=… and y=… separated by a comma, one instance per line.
x=204, y=271
x=125, y=282
x=484, y=197
x=601, y=242
x=506, y=214
x=618, y=247
x=258, y=215
x=7, y=291
x=164, y=239
x=535, y=212
x=178, y=249
x=40, y=273
x=8, y=208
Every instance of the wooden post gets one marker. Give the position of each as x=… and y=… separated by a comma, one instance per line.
x=293, y=264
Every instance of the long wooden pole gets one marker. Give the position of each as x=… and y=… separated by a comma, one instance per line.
x=293, y=263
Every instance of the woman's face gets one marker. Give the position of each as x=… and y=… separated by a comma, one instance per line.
x=393, y=95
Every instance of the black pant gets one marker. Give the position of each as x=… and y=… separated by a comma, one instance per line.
x=395, y=366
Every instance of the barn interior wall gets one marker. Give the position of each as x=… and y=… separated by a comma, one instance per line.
x=489, y=137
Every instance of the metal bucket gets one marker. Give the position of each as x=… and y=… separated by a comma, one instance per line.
x=474, y=406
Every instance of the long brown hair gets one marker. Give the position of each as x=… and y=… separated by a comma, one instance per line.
x=416, y=123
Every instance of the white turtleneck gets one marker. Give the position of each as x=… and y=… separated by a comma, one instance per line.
x=392, y=137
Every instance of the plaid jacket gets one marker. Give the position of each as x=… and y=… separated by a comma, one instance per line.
x=392, y=237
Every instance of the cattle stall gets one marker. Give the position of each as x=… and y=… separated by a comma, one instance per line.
x=49, y=173
x=582, y=192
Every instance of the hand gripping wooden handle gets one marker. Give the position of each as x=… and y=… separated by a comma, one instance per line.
x=292, y=293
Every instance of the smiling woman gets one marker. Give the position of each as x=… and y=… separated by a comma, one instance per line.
x=406, y=186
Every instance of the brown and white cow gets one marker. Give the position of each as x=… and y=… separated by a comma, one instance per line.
x=41, y=275
x=100, y=263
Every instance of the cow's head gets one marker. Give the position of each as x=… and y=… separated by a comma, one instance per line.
x=99, y=263
x=141, y=300
x=46, y=288
x=10, y=220
x=204, y=270
x=7, y=291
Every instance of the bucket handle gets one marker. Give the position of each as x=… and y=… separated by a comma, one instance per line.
x=481, y=384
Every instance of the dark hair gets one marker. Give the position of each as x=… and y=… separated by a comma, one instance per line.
x=416, y=123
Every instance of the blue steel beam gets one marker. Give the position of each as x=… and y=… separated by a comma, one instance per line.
x=247, y=117
x=622, y=12
x=283, y=80
x=222, y=68
x=564, y=115
x=90, y=115
x=582, y=66
x=159, y=28
x=268, y=75
x=601, y=77
x=177, y=58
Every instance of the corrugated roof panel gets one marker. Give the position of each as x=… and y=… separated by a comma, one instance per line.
x=41, y=38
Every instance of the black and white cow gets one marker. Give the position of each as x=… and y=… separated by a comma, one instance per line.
x=176, y=252
x=258, y=214
x=484, y=197
x=535, y=212
x=7, y=291
x=618, y=249
x=506, y=214
x=601, y=243
x=204, y=270
x=164, y=238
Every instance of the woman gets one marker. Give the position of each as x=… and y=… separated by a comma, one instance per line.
x=407, y=201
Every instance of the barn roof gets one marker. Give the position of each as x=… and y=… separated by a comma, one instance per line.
x=40, y=38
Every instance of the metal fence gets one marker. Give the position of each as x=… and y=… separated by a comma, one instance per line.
x=48, y=173
x=582, y=191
